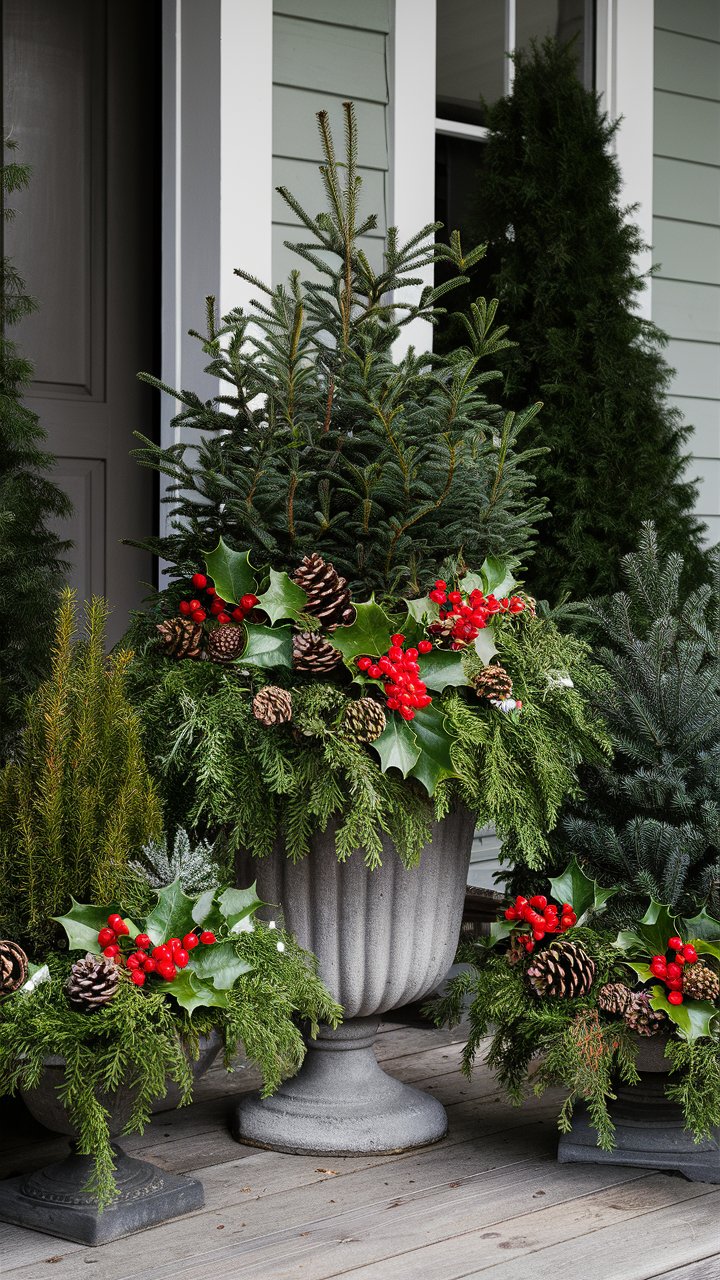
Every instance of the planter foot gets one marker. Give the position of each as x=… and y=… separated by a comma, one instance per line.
x=645, y=1139
x=52, y=1200
x=341, y=1103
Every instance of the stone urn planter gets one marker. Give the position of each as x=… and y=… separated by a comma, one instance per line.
x=383, y=939
x=53, y=1199
x=650, y=1131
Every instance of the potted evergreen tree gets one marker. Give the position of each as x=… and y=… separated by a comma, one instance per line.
x=343, y=673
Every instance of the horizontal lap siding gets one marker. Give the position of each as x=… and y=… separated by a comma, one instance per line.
x=686, y=291
x=325, y=52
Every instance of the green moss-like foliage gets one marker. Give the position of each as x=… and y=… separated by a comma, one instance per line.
x=561, y=260
x=78, y=802
x=141, y=1040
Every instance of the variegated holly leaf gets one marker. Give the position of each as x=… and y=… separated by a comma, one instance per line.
x=434, y=762
x=283, y=598
x=268, y=647
x=397, y=745
x=172, y=914
x=368, y=636
x=231, y=572
x=83, y=923
x=583, y=893
x=693, y=1018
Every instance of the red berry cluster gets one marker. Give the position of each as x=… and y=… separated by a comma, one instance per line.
x=670, y=972
x=471, y=612
x=214, y=606
x=542, y=916
x=164, y=960
x=399, y=669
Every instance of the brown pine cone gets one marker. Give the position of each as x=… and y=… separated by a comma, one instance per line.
x=181, y=638
x=493, y=683
x=225, y=643
x=615, y=997
x=699, y=981
x=641, y=1017
x=363, y=720
x=92, y=983
x=563, y=970
x=314, y=653
x=328, y=597
x=272, y=705
x=13, y=967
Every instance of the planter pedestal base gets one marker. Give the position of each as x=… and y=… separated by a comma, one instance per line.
x=341, y=1103
x=52, y=1199
x=649, y=1134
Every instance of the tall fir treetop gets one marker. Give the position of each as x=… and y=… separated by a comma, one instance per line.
x=321, y=440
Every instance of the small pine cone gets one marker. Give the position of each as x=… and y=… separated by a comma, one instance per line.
x=615, y=997
x=181, y=638
x=641, y=1017
x=13, y=967
x=328, y=597
x=92, y=983
x=493, y=683
x=225, y=643
x=363, y=720
x=564, y=970
x=272, y=705
x=314, y=653
x=700, y=982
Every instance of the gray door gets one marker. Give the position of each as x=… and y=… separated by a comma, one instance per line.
x=80, y=93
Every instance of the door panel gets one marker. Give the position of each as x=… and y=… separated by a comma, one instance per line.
x=80, y=98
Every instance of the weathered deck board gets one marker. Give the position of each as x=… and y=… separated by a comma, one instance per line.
x=488, y=1200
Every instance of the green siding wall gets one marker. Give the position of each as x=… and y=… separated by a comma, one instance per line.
x=686, y=231
x=324, y=52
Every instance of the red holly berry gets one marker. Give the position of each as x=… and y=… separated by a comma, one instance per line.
x=143, y=941
x=195, y=604
x=425, y=646
x=248, y=602
x=199, y=580
x=397, y=639
x=133, y=962
x=690, y=955
x=675, y=997
x=215, y=609
x=198, y=615
x=114, y=920
x=189, y=941
x=172, y=943
x=184, y=608
x=675, y=944
x=138, y=977
x=161, y=953
x=511, y=914
x=167, y=970
x=206, y=937
x=673, y=971
x=364, y=664
x=237, y=615
x=180, y=957
x=438, y=597
x=539, y=902
x=149, y=965
x=111, y=951
x=210, y=591
x=106, y=936
x=538, y=934
x=223, y=618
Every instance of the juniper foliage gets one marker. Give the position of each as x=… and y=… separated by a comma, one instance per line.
x=321, y=440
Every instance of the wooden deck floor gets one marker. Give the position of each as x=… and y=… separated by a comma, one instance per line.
x=489, y=1200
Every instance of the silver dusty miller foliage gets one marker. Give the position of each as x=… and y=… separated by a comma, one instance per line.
x=194, y=865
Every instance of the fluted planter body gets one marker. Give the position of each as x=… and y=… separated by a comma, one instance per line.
x=650, y=1130
x=383, y=939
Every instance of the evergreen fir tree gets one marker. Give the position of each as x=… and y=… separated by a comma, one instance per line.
x=561, y=260
x=31, y=554
x=321, y=441
x=651, y=819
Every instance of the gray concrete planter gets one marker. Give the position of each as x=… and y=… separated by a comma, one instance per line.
x=383, y=939
x=650, y=1131
x=53, y=1200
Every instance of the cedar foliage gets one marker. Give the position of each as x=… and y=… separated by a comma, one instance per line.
x=322, y=441
x=650, y=822
x=77, y=803
x=32, y=564
x=560, y=259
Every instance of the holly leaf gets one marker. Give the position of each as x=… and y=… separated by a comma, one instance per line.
x=583, y=893
x=485, y=646
x=423, y=610
x=441, y=668
x=500, y=930
x=268, y=647
x=497, y=577
x=704, y=948
x=692, y=1018
x=434, y=762
x=83, y=923
x=238, y=906
x=283, y=598
x=643, y=971
x=172, y=915
x=701, y=926
x=231, y=572
x=472, y=582
x=397, y=745
x=192, y=992
x=205, y=907
x=218, y=964
x=631, y=943
x=656, y=926
x=369, y=635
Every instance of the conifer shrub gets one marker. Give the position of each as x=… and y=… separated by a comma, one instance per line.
x=77, y=802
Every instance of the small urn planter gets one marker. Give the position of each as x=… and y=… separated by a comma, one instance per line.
x=53, y=1199
x=383, y=939
x=650, y=1131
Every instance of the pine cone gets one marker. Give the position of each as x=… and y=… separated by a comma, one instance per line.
x=564, y=969
x=181, y=638
x=700, y=982
x=13, y=967
x=641, y=1017
x=363, y=720
x=92, y=983
x=272, y=705
x=225, y=643
x=493, y=683
x=615, y=997
x=313, y=652
x=328, y=597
